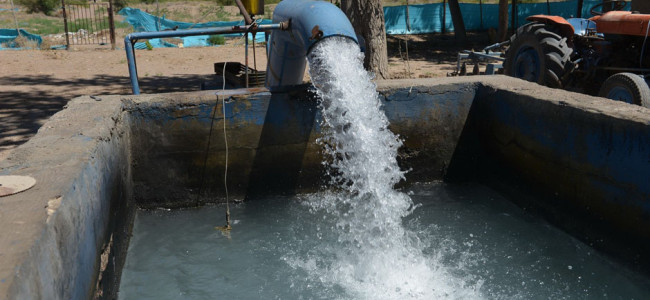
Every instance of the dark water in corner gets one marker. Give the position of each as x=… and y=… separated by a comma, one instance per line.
x=476, y=244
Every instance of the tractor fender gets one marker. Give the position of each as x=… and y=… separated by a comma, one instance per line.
x=565, y=28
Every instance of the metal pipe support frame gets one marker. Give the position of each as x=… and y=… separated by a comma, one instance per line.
x=130, y=39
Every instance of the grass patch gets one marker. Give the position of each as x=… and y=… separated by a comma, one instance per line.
x=216, y=40
x=39, y=25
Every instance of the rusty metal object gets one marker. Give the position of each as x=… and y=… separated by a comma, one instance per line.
x=254, y=7
x=90, y=23
x=236, y=74
x=242, y=9
x=622, y=22
x=316, y=33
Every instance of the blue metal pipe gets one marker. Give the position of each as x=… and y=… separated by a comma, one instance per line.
x=310, y=22
x=130, y=40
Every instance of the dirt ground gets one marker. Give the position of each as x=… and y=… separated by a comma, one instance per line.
x=35, y=84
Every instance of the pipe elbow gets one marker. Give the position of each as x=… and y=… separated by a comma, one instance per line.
x=305, y=23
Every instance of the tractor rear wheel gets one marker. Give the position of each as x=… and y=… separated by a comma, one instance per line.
x=538, y=54
x=626, y=87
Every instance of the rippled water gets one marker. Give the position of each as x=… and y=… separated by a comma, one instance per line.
x=469, y=231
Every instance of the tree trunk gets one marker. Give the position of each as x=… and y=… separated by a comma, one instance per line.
x=457, y=18
x=503, y=20
x=367, y=18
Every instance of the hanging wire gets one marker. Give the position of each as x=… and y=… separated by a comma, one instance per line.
x=225, y=140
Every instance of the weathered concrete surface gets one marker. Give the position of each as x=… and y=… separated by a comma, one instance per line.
x=272, y=144
x=51, y=235
x=587, y=159
x=94, y=159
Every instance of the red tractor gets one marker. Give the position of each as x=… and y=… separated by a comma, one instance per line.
x=605, y=55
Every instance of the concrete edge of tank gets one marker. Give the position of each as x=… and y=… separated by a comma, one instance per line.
x=85, y=163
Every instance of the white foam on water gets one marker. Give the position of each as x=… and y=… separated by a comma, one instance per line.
x=372, y=255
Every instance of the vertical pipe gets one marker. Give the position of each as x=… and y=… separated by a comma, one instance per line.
x=111, y=23
x=254, y=56
x=266, y=39
x=246, y=55
x=130, y=58
x=444, y=15
x=65, y=26
x=548, y=7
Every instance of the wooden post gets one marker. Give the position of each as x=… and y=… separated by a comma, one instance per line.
x=65, y=26
x=111, y=23
x=579, y=12
x=503, y=20
x=444, y=15
x=457, y=19
x=408, y=18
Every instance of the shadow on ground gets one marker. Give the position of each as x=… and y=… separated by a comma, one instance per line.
x=27, y=102
x=434, y=47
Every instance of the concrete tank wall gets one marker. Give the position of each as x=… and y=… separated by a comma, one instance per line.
x=52, y=235
x=272, y=141
x=587, y=160
x=582, y=161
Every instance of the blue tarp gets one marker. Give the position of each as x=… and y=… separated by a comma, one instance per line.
x=142, y=21
x=7, y=37
x=427, y=18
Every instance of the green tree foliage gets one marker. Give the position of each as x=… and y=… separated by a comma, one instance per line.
x=44, y=6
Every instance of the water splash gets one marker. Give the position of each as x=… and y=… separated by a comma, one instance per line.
x=372, y=255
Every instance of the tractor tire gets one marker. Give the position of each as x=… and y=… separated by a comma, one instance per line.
x=626, y=87
x=539, y=55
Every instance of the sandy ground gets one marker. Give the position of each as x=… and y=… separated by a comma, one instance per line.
x=35, y=84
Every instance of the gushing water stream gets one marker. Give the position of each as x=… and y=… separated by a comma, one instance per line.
x=375, y=257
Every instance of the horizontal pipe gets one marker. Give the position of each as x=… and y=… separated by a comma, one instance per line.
x=131, y=38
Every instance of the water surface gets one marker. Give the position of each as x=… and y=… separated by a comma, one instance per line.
x=483, y=246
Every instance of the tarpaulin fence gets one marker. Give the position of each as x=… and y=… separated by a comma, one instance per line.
x=142, y=21
x=8, y=38
x=428, y=18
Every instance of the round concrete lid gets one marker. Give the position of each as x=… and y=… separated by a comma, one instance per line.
x=10, y=184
